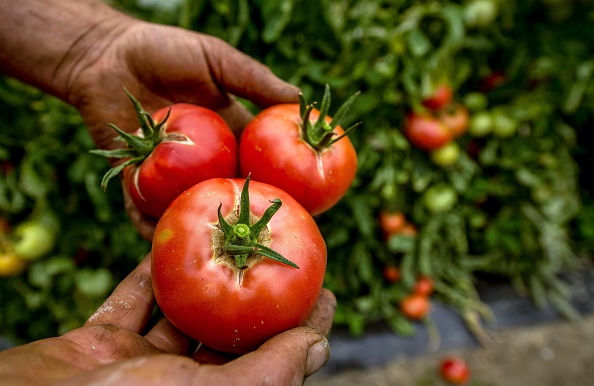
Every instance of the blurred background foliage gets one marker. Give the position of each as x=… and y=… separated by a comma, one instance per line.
x=513, y=204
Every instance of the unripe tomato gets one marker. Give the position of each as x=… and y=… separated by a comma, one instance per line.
x=426, y=132
x=480, y=13
x=447, y=155
x=440, y=198
x=476, y=101
x=10, y=264
x=481, y=124
x=504, y=126
x=454, y=370
x=415, y=306
x=34, y=239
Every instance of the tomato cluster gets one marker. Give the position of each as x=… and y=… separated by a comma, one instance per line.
x=236, y=255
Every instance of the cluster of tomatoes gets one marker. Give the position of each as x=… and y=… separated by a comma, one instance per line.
x=30, y=240
x=434, y=127
x=236, y=255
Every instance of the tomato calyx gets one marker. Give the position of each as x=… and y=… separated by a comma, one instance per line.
x=138, y=146
x=320, y=134
x=241, y=240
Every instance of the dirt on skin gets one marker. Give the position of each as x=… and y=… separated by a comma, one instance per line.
x=554, y=354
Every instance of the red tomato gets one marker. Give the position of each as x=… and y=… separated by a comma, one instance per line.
x=190, y=145
x=275, y=149
x=391, y=273
x=415, y=306
x=424, y=286
x=235, y=304
x=454, y=370
x=455, y=117
x=442, y=96
x=391, y=222
x=426, y=132
x=492, y=81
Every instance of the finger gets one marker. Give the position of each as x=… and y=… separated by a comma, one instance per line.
x=131, y=303
x=323, y=314
x=286, y=359
x=206, y=355
x=245, y=77
x=166, y=337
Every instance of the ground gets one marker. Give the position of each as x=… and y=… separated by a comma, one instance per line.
x=557, y=353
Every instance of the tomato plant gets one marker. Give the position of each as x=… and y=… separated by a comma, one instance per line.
x=415, y=306
x=302, y=151
x=175, y=148
x=454, y=370
x=426, y=131
x=423, y=286
x=235, y=277
x=441, y=97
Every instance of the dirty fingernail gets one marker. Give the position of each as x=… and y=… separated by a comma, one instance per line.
x=317, y=356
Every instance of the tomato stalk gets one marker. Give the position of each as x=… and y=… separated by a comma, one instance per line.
x=320, y=135
x=138, y=147
x=241, y=239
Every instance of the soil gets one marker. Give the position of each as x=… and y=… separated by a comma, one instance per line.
x=557, y=353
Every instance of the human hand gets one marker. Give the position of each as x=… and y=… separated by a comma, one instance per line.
x=113, y=347
x=161, y=65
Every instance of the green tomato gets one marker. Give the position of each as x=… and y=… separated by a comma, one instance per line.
x=481, y=124
x=447, y=155
x=476, y=101
x=440, y=198
x=33, y=240
x=480, y=13
x=503, y=125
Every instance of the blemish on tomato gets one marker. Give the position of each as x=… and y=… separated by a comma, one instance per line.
x=164, y=236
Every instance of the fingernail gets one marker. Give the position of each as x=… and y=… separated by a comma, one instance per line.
x=317, y=356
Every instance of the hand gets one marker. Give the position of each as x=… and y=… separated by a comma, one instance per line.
x=111, y=347
x=161, y=65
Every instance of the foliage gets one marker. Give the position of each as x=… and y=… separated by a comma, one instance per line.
x=523, y=210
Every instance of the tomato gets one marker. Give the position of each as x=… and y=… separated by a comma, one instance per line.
x=409, y=230
x=34, y=239
x=454, y=370
x=481, y=124
x=455, y=117
x=391, y=222
x=423, y=286
x=447, y=155
x=426, y=132
x=213, y=274
x=10, y=264
x=180, y=145
x=442, y=96
x=415, y=306
x=504, y=126
x=480, y=13
x=492, y=81
x=476, y=101
x=302, y=151
x=440, y=198
x=391, y=273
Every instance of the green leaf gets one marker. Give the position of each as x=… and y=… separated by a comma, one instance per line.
x=276, y=16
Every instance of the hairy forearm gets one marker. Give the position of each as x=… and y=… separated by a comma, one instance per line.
x=44, y=42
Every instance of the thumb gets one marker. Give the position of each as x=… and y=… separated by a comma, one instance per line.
x=286, y=359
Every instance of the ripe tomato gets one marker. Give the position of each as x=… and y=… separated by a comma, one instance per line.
x=391, y=273
x=391, y=222
x=442, y=96
x=423, y=286
x=454, y=370
x=426, y=132
x=176, y=148
x=415, y=306
x=455, y=117
x=302, y=151
x=214, y=291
